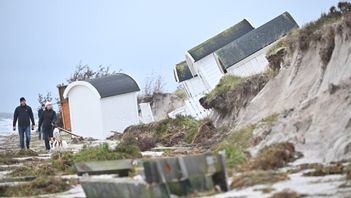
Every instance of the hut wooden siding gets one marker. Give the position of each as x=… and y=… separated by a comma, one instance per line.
x=64, y=108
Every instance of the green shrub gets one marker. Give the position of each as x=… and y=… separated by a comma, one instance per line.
x=239, y=139
x=235, y=157
x=235, y=145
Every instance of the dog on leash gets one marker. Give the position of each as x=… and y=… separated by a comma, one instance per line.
x=56, y=141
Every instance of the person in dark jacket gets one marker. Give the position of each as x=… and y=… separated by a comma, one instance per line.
x=40, y=111
x=24, y=115
x=47, y=123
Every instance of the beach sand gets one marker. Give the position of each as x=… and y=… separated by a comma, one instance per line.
x=10, y=142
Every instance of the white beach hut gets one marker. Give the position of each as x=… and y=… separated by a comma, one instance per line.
x=201, y=58
x=102, y=105
x=194, y=87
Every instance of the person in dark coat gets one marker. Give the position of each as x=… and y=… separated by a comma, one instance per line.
x=47, y=123
x=40, y=111
x=24, y=115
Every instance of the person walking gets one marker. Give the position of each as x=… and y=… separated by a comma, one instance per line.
x=47, y=123
x=24, y=115
x=40, y=112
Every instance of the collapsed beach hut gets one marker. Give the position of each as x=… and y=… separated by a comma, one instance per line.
x=102, y=105
x=246, y=55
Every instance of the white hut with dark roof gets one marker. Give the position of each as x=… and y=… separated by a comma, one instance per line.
x=240, y=50
x=195, y=89
x=246, y=55
x=201, y=58
x=102, y=105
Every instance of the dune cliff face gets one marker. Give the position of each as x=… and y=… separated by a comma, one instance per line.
x=311, y=95
x=162, y=104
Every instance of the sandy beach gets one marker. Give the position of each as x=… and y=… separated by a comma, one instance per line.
x=9, y=142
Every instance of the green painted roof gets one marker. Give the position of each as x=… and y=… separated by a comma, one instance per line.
x=182, y=71
x=255, y=40
x=220, y=40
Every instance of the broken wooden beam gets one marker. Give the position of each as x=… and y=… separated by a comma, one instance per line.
x=120, y=167
x=188, y=174
x=69, y=132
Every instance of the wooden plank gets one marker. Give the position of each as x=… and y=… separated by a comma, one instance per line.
x=120, y=167
x=69, y=132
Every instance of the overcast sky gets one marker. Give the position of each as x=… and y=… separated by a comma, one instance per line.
x=41, y=42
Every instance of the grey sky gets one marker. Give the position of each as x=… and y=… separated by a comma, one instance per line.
x=42, y=41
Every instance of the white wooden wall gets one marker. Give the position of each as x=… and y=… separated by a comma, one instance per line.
x=119, y=112
x=209, y=71
x=146, y=113
x=254, y=64
x=195, y=89
x=85, y=111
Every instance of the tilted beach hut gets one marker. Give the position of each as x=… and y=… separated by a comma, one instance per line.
x=201, y=58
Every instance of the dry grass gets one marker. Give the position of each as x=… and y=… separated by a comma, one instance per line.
x=227, y=82
x=103, y=152
x=25, y=153
x=273, y=157
x=314, y=32
x=180, y=92
x=252, y=178
x=168, y=132
x=39, y=186
x=63, y=162
x=327, y=170
x=327, y=49
x=7, y=159
x=286, y=194
x=277, y=47
x=33, y=169
x=306, y=166
x=265, y=190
